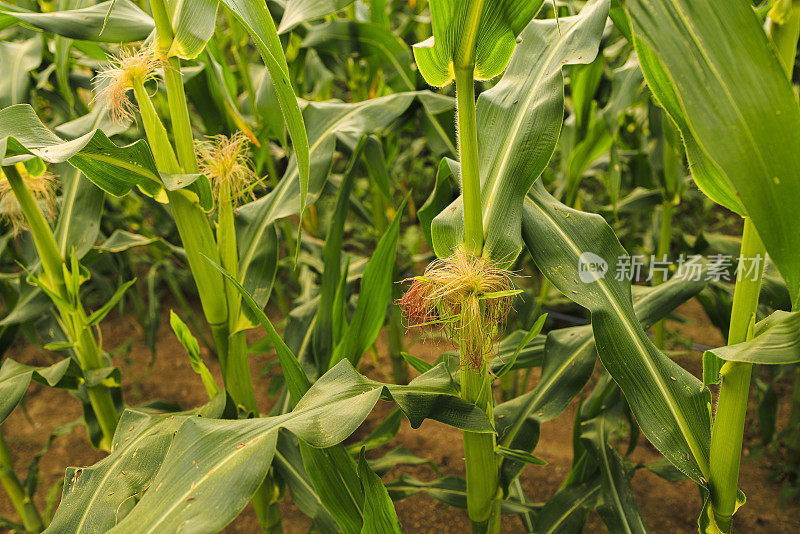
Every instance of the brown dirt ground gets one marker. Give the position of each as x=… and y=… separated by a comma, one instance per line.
x=666, y=507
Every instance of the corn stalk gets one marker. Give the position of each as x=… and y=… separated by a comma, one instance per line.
x=728, y=430
x=61, y=282
x=20, y=499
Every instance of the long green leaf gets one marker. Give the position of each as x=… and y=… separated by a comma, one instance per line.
x=123, y=24
x=210, y=456
x=296, y=378
x=326, y=123
x=374, y=297
x=15, y=378
x=79, y=214
x=18, y=60
x=566, y=512
x=776, y=340
x=367, y=40
x=288, y=464
x=332, y=257
x=760, y=155
x=255, y=17
x=330, y=469
x=299, y=11
x=618, y=506
x=114, y=169
x=491, y=27
x=452, y=491
x=95, y=498
x=193, y=23
x=379, y=514
x=671, y=406
x=569, y=360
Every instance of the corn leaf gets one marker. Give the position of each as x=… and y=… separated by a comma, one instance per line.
x=332, y=257
x=421, y=366
x=79, y=215
x=367, y=40
x=440, y=197
x=122, y=240
x=760, y=157
x=296, y=378
x=255, y=17
x=496, y=25
x=122, y=24
x=335, y=478
x=18, y=59
x=326, y=123
x=288, y=464
x=329, y=469
x=15, y=378
x=671, y=406
x=451, y=491
x=299, y=11
x=379, y=514
x=617, y=506
x=707, y=175
x=374, y=296
x=519, y=121
x=209, y=456
x=192, y=347
x=377, y=168
x=95, y=498
x=566, y=511
x=193, y=23
x=524, y=342
x=531, y=354
x=99, y=314
x=568, y=363
x=114, y=169
x=776, y=340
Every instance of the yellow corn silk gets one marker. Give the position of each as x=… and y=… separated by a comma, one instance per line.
x=467, y=296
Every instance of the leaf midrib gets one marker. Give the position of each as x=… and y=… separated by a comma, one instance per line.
x=277, y=423
x=575, y=505
x=540, y=392
x=150, y=431
x=677, y=415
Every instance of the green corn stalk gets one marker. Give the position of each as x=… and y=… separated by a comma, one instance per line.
x=726, y=436
x=727, y=433
x=20, y=499
x=221, y=303
x=237, y=372
x=74, y=318
x=481, y=464
x=193, y=225
x=671, y=190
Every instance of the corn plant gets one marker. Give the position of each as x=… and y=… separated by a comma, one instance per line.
x=167, y=123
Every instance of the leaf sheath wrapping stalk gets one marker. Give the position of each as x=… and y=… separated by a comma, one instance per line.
x=519, y=121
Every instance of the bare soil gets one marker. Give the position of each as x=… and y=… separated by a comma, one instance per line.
x=666, y=507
